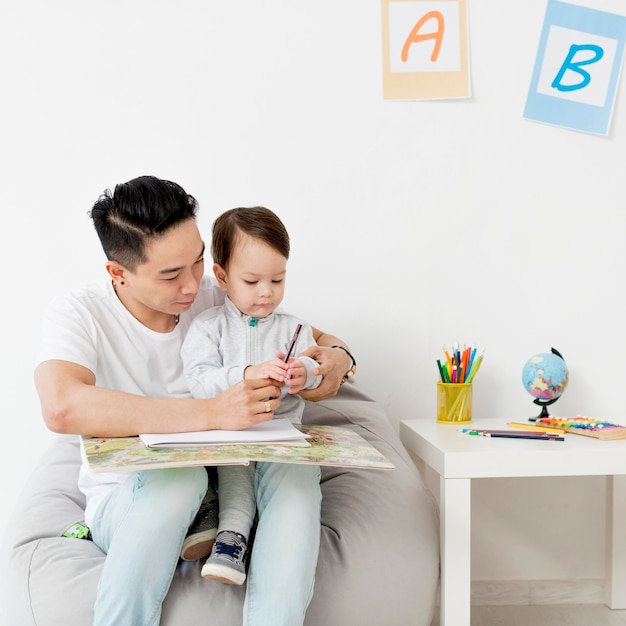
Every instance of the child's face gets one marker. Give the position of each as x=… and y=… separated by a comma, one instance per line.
x=255, y=280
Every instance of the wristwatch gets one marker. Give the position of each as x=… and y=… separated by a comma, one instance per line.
x=352, y=371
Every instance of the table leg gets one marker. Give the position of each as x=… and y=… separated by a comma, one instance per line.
x=615, y=585
x=455, y=525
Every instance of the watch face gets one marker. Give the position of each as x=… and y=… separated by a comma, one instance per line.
x=348, y=374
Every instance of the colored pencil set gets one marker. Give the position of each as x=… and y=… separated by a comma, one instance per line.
x=459, y=366
x=541, y=435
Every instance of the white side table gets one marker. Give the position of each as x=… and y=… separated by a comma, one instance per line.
x=458, y=458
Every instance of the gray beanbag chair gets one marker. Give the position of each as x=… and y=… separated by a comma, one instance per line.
x=378, y=562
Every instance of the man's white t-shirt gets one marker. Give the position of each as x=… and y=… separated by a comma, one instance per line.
x=90, y=327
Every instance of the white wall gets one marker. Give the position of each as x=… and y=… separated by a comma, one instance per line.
x=414, y=224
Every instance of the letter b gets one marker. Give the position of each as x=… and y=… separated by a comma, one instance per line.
x=576, y=67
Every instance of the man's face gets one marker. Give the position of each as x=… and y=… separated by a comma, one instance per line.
x=168, y=282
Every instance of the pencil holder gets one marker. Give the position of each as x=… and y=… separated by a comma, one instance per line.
x=454, y=403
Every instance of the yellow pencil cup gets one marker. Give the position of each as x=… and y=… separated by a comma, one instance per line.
x=454, y=403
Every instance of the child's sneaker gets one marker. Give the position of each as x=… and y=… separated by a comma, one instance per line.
x=227, y=563
x=78, y=531
x=201, y=535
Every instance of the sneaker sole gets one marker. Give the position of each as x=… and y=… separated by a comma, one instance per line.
x=223, y=574
x=198, y=546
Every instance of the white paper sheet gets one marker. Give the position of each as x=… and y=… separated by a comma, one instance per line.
x=274, y=431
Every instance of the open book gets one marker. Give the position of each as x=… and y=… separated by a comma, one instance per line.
x=329, y=445
x=279, y=430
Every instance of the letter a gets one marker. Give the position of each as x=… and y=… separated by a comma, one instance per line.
x=569, y=64
x=414, y=37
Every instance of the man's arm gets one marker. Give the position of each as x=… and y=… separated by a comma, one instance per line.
x=333, y=365
x=72, y=404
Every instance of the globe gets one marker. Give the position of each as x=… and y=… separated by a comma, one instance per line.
x=545, y=377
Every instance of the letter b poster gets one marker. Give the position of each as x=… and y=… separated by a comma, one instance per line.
x=577, y=68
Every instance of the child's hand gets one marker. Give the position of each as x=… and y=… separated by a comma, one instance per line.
x=296, y=375
x=275, y=369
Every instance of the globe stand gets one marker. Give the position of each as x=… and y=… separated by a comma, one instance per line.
x=544, y=410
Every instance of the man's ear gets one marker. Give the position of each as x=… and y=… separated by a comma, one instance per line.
x=116, y=272
x=222, y=278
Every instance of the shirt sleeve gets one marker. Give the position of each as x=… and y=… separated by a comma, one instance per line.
x=306, y=340
x=203, y=367
x=68, y=335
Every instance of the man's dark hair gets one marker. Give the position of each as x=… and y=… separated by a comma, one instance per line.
x=141, y=209
x=257, y=222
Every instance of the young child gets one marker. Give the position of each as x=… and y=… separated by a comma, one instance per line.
x=247, y=338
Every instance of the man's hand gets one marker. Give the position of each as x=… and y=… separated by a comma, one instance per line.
x=333, y=364
x=247, y=403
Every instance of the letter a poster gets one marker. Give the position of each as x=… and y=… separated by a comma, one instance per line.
x=425, y=49
x=577, y=68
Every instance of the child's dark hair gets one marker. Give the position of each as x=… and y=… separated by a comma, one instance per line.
x=143, y=208
x=257, y=222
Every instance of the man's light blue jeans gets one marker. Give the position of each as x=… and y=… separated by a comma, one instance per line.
x=142, y=524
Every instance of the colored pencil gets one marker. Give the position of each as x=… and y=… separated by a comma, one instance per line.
x=558, y=431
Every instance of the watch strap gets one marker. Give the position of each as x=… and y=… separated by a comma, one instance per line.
x=352, y=371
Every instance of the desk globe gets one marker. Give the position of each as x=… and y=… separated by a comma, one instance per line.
x=545, y=377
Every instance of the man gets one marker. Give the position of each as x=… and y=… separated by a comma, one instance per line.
x=110, y=366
